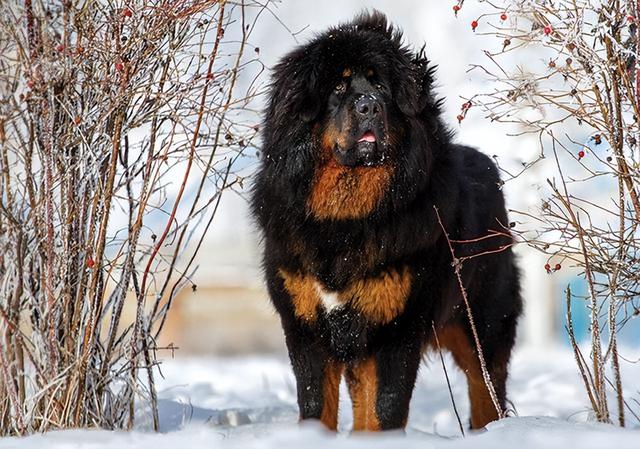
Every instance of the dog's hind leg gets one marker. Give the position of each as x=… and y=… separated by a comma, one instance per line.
x=458, y=340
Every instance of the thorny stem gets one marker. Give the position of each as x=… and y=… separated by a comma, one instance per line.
x=588, y=381
x=158, y=245
x=598, y=362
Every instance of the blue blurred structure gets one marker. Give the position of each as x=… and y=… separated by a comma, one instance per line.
x=628, y=334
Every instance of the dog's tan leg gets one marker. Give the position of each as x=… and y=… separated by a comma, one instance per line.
x=363, y=388
x=457, y=341
x=331, y=394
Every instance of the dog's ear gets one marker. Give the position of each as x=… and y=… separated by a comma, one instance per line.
x=308, y=105
x=408, y=97
x=414, y=92
x=295, y=93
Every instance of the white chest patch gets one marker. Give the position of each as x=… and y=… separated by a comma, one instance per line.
x=329, y=300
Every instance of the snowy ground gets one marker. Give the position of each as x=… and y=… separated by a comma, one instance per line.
x=250, y=403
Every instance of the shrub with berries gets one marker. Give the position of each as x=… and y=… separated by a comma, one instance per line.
x=585, y=95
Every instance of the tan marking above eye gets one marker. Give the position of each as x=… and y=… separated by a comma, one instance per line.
x=370, y=73
x=346, y=73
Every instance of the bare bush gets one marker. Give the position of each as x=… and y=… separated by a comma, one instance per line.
x=579, y=93
x=120, y=127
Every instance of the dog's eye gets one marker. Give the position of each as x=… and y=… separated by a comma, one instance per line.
x=341, y=87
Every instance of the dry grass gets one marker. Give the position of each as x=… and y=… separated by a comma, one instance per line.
x=120, y=127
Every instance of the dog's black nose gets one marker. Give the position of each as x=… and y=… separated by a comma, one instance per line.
x=368, y=106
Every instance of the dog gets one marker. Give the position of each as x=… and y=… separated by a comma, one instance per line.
x=381, y=236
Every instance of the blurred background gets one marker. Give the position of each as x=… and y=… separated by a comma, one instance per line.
x=229, y=312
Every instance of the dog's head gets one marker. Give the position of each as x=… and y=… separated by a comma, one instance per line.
x=350, y=113
x=354, y=127
x=357, y=86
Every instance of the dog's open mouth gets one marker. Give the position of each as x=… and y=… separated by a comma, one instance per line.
x=367, y=137
x=365, y=151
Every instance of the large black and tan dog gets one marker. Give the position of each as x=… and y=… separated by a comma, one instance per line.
x=356, y=161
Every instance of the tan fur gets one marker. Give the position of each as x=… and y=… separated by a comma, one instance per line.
x=346, y=73
x=382, y=298
x=362, y=380
x=303, y=291
x=342, y=193
x=330, y=393
x=332, y=136
x=455, y=339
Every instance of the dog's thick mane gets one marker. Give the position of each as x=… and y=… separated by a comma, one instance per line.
x=374, y=21
x=299, y=89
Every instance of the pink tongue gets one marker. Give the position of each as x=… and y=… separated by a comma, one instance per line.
x=368, y=137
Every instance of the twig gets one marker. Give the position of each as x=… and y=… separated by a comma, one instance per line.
x=483, y=366
x=446, y=376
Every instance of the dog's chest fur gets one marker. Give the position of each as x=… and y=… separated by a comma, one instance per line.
x=379, y=299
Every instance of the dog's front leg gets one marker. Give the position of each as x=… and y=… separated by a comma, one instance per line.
x=318, y=382
x=317, y=375
x=381, y=386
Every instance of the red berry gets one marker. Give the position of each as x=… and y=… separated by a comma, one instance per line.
x=30, y=84
x=119, y=66
x=630, y=18
x=557, y=267
x=580, y=154
x=90, y=262
x=503, y=16
x=474, y=25
x=466, y=105
x=460, y=118
x=548, y=30
x=77, y=120
x=456, y=8
x=547, y=267
x=127, y=12
x=60, y=47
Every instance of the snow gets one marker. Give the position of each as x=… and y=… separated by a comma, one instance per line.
x=548, y=433
x=249, y=402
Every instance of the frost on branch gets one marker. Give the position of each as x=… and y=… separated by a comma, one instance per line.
x=120, y=128
x=567, y=72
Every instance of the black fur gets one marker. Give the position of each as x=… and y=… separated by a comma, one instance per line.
x=430, y=172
